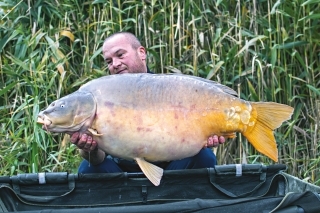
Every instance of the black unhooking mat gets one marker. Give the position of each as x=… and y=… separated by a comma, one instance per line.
x=229, y=188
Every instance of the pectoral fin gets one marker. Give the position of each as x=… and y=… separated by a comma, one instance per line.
x=153, y=172
x=94, y=132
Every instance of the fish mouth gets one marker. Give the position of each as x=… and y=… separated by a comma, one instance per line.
x=45, y=121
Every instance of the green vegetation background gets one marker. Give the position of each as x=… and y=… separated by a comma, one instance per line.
x=267, y=50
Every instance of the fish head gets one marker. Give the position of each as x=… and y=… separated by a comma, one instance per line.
x=72, y=113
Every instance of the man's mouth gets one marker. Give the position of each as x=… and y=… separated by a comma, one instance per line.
x=122, y=71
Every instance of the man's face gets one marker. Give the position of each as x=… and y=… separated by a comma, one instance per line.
x=121, y=58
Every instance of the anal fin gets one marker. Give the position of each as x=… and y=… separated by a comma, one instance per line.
x=153, y=172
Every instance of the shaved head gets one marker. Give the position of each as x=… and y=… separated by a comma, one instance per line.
x=131, y=38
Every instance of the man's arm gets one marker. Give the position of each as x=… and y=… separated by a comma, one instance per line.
x=88, y=148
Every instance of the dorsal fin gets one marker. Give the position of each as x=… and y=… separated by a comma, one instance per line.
x=209, y=82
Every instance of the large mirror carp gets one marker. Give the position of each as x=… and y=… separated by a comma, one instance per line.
x=162, y=117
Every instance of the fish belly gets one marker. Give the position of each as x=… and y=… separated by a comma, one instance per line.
x=151, y=135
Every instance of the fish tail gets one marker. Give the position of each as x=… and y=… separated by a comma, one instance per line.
x=267, y=116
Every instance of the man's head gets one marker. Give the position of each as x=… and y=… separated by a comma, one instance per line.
x=124, y=53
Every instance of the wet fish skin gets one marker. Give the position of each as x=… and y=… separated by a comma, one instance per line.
x=156, y=117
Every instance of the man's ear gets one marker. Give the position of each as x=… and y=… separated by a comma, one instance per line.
x=142, y=52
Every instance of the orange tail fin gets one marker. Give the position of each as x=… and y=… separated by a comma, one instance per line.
x=268, y=116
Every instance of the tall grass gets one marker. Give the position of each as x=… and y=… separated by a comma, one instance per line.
x=266, y=50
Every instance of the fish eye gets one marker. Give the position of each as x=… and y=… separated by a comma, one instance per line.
x=62, y=105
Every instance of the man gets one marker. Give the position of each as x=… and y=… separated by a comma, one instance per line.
x=124, y=53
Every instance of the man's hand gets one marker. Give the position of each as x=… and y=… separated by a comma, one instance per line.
x=214, y=141
x=88, y=148
x=83, y=141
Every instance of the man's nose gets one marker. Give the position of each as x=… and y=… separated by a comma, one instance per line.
x=116, y=63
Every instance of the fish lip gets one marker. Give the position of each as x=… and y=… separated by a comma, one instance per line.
x=40, y=120
x=45, y=121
